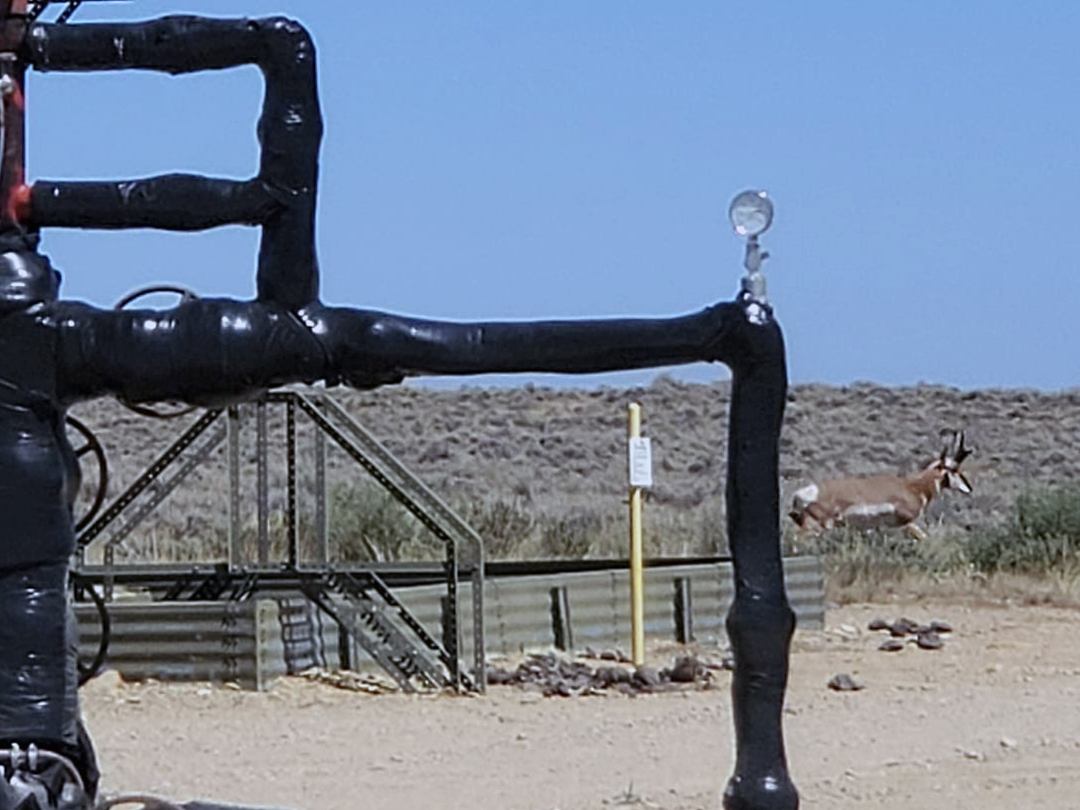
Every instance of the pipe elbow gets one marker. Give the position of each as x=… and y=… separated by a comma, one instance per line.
x=286, y=43
x=744, y=335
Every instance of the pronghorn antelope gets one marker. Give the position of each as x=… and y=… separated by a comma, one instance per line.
x=882, y=500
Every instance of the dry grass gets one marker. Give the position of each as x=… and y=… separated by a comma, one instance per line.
x=960, y=588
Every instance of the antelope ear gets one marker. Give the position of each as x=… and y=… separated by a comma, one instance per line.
x=958, y=481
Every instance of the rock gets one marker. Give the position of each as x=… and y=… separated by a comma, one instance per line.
x=560, y=688
x=902, y=627
x=843, y=682
x=938, y=626
x=646, y=676
x=891, y=645
x=554, y=676
x=929, y=641
x=686, y=669
x=877, y=624
x=498, y=676
x=606, y=676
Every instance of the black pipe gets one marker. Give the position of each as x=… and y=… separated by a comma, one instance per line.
x=281, y=197
x=760, y=622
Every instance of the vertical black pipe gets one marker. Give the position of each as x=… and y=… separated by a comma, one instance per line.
x=760, y=622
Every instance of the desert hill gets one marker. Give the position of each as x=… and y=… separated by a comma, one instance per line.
x=550, y=452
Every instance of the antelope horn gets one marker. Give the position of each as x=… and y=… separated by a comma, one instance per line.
x=948, y=445
x=960, y=452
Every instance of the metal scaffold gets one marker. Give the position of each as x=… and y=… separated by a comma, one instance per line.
x=358, y=597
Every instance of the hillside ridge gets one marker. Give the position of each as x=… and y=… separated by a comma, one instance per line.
x=561, y=450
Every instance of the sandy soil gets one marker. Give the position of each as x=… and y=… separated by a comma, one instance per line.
x=990, y=721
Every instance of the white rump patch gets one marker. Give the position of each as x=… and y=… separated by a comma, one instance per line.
x=806, y=496
x=870, y=510
x=872, y=516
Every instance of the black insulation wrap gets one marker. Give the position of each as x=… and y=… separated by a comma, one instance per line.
x=760, y=622
x=38, y=658
x=37, y=477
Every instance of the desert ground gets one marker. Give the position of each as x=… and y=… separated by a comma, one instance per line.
x=989, y=721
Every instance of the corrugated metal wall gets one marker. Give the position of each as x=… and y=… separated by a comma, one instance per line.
x=212, y=641
x=255, y=641
x=518, y=612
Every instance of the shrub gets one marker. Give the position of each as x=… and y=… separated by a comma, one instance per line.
x=865, y=565
x=505, y=525
x=368, y=524
x=852, y=555
x=1052, y=512
x=698, y=531
x=1041, y=535
x=570, y=537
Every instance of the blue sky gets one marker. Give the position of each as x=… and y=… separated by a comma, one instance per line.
x=576, y=159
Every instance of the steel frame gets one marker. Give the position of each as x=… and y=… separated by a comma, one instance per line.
x=320, y=579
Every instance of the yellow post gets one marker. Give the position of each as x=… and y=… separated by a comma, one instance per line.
x=637, y=582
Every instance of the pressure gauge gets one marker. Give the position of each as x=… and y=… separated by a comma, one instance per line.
x=751, y=213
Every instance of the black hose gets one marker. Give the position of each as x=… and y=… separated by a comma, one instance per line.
x=86, y=673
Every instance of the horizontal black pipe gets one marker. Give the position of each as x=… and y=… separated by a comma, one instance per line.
x=174, y=202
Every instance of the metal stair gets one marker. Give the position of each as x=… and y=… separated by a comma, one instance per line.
x=464, y=547
x=369, y=613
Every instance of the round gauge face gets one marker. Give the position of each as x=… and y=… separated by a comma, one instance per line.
x=751, y=213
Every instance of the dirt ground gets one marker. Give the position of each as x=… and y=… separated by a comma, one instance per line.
x=991, y=721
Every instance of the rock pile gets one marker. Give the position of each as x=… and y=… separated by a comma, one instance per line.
x=553, y=675
x=905, y=631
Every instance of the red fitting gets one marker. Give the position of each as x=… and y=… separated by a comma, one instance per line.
x=18, y=207
x=17, y=99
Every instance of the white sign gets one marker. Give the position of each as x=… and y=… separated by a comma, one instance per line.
x=640, y=463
